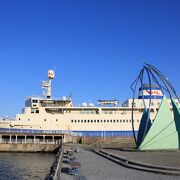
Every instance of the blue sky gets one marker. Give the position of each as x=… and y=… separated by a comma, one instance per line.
x=96, y=47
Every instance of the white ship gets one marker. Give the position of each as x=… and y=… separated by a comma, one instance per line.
x=109, y=118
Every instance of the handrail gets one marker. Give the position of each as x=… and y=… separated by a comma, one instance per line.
x=33, y=131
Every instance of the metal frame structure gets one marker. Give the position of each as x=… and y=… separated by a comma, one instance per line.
x=151, y=75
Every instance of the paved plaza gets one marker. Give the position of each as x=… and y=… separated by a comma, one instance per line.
x=95, y=167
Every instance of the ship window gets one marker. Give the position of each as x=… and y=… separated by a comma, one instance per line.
x=75, y=121
x=19, y=119
x=88, y=121
x=110, y=112
x=28, y=119
x=35, y=101
x=72, y=121
x=111, y=120
x=123, y=121
x=78, y=121
x=137, y=120
x=134, y=104
x=127, y=120
x=56, y=119
x=98, y=121
x=44, y=119
x=95, y=121
x=101, y=120
x=82, y=121
x=37, y=111
x=85, y=121
x=117, y=121
x=91, y=120
x=114, y=121
x=104, y=120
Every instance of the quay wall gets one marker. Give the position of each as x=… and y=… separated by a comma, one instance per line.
x=120, y=141
x=28, y=147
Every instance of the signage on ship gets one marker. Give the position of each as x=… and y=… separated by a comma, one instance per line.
x=151, y=92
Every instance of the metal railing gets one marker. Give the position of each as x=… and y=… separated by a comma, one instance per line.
x=33, y=131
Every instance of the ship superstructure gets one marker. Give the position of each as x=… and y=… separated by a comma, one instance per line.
x=109, y=118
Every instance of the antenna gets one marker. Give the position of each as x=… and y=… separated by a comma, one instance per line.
x=70, y=96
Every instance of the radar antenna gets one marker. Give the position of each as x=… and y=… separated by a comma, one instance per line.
x=46, y=85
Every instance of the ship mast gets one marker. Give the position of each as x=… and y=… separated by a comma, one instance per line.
x=46, y=85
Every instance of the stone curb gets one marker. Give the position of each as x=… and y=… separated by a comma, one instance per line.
x=139, y=166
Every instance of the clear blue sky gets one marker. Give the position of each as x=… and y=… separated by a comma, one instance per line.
x=96, y=47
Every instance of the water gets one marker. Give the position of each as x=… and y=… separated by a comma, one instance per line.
x=25, y=166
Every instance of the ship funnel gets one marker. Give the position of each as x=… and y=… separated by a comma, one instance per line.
x=149, y=92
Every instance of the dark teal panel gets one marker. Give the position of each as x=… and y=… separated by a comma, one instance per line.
x=144, y=127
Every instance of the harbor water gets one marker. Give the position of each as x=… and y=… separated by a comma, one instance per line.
x=25, y=166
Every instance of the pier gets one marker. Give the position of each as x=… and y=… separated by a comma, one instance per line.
x=13, y=140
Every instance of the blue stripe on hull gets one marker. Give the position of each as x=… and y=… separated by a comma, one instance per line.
x=105, y=133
